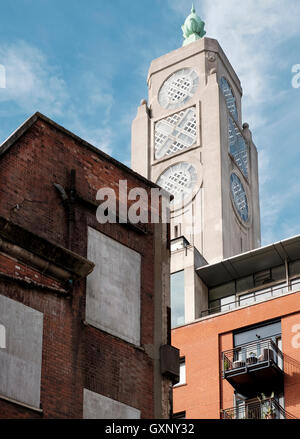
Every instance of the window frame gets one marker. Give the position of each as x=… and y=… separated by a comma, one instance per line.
x=182, y=361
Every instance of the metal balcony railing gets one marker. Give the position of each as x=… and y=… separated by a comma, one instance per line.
x=257, y=409
x=254, y=297
x=254, y=355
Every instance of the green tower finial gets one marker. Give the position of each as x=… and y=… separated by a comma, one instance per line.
x=193, y=28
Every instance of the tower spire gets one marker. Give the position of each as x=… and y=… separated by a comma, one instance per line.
x=193, y=28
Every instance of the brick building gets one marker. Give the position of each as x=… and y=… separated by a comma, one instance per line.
x=83, y=305
x=241, y=357
x=235, y=306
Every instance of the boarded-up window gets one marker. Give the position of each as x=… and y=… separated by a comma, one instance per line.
x=21, y=352
x=114, y=287
x=96, y=406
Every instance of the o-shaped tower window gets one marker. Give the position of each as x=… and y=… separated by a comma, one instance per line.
x=178, y=89
x=239, y=197
x=229, y=97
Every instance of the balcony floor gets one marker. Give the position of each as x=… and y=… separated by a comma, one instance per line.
x=252, y=380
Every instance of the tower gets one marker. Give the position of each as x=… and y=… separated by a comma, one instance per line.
x=190, y=139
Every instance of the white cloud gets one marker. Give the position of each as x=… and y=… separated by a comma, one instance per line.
x=31, y=82
x=250, y=33
x=275, y=225
x=34, y=84
x=255, y=37
x=100, y=137
x=98, y=95
x=265, y=169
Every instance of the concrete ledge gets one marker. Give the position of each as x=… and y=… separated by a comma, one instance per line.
x=21, y=243
x=22, y=404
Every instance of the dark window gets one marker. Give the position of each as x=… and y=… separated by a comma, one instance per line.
x=269, y=330
x=294, y=268
x=177, y=299
x=179, y=415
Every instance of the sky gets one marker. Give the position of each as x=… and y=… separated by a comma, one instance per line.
x=84, y=64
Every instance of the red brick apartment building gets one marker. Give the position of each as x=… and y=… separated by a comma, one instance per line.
x=241, y=358
x=83, y=305
x=235, y=319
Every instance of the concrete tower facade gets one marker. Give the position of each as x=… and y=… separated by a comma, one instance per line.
x=189, y=138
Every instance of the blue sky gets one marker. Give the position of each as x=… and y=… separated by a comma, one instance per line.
x=84, y=64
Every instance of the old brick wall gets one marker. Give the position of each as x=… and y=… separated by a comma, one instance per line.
x=74, y=355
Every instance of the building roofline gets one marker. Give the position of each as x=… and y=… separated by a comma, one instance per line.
x=15, y=136
x=250, y=262
x=182, y=53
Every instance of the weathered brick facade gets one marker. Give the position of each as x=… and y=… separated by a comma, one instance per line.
x=76, y=355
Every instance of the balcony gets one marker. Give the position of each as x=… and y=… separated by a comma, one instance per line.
x=254, y=368
x=255, y=409
x=253, y=297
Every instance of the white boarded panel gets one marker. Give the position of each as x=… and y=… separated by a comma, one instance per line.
x=113, y=288
x=96, y=406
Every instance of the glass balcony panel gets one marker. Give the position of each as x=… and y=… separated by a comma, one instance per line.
x=295, y=284
x=262, y=295
x=247, y=299
x=228, y=303
x=278, y=290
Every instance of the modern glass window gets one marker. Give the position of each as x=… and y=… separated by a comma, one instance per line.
x=255, y=287
x=222, y=291
x=270, y=330
x=278, y=273
x=258, y=344
x=177, y=299
x=294, y=268
x=244, y=284
x=182, y=373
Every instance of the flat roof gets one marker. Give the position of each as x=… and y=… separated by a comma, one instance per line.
x=250, y=262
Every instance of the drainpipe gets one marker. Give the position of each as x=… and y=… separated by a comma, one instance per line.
x=287, y=273
x=68, y=202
